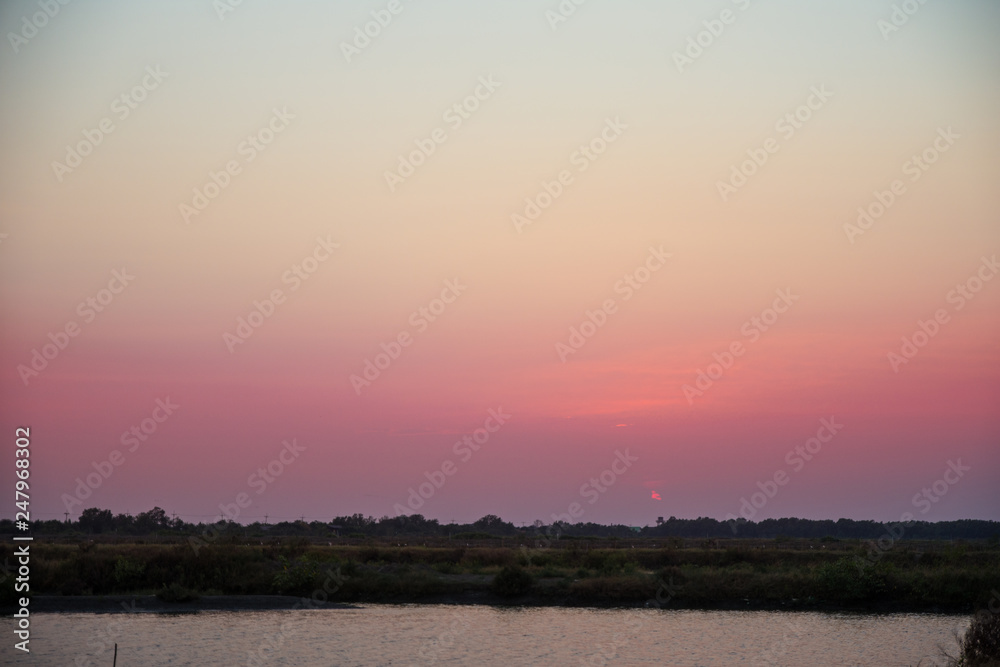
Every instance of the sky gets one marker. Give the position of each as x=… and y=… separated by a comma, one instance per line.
x=616, y=261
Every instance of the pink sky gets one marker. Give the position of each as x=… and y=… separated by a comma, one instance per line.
x=633, y=246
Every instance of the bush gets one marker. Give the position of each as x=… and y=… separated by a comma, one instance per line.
x=128, y=572
x=980, y=647
x=295, y=577
x=512, y=581
x=844, y=581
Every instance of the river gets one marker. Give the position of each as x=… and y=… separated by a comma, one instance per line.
x=482, y=635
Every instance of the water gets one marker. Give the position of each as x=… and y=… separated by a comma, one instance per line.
x=479, y=635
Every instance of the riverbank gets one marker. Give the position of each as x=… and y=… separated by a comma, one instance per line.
x=114, y=604
x=109, y=604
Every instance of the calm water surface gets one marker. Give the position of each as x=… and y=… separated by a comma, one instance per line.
x=455, y=635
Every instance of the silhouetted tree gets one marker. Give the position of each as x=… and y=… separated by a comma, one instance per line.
x=95, y=520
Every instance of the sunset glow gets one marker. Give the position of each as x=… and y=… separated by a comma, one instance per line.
x=476, y=262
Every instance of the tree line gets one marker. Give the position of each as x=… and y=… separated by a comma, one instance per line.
x=95, y=521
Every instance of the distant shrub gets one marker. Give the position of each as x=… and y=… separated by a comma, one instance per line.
x=512, y=581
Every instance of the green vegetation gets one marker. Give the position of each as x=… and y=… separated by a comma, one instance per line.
x=512, y=581
x=980, y=646
x=791, y=574
x=94, y=521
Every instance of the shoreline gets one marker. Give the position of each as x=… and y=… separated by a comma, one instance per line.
x=105, y=604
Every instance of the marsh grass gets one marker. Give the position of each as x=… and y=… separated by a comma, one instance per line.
x=946, y=578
